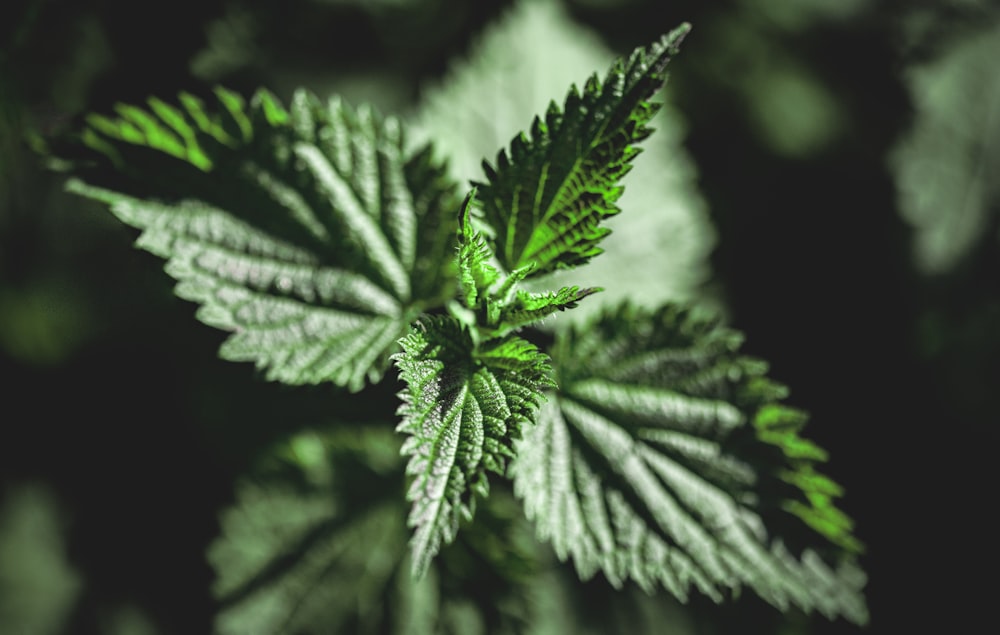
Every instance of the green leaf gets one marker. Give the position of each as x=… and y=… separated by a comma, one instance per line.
x=659, y=456
x=314, y=536
x=665, y=230
x=476, y=274
x=316, y=543
x=547, y=197
x=945, y=172
x=308, y=232
x=528, y=307
x=500, y=306
x=462, y=409
x=39, y=584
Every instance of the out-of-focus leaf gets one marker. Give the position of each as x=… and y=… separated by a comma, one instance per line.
x=316, y=542
x=946, y=169
x=37, y=584
x=44, y=323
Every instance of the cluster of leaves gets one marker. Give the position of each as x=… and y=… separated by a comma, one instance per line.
x=643, y=446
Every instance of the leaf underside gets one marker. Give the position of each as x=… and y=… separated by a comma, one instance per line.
x=462, y=413
x=307, y=232
x=654, y=457
x=545, y=198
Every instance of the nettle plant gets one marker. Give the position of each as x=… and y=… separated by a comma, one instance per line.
x=642, y=444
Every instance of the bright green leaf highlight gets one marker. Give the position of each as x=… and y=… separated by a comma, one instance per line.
x=546, y=198
x=308, y=233
x=476, y=274
x=522, y=60
x=495, y=299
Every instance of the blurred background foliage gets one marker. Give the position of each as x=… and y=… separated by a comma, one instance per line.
x=826, y=173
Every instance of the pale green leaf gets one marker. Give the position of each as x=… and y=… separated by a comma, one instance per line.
x=295, y=555
x=307, y=232
x=462, y=410
x=946, y=165
x=656, y=458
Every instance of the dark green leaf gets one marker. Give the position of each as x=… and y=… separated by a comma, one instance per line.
x=546, y=198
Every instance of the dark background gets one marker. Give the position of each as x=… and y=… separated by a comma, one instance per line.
x=114, y=402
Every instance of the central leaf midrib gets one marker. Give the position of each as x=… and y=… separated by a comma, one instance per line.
x=437, y=494
x=531, y=246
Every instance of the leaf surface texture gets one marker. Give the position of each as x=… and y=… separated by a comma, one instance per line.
x=307, y=232
x=547, y=196
x=463, y=408
x=501, y=86
x=654, y=458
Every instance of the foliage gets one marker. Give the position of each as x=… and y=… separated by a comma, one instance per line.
x=651, y=460
x=547, y=198
x=37, y=583
x=642, y=444
x=945, y=159
x=501, y=86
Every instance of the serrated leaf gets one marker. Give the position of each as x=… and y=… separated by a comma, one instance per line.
x=546, y=198
x=462, y=409
x=316, y=543
x=495, y=299
x=665, y=229
x=655, y=457
x=476, y=273
x=529, y=307
x=308, y=232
